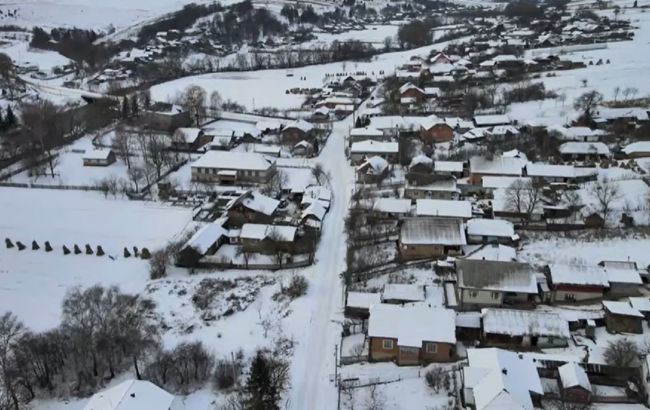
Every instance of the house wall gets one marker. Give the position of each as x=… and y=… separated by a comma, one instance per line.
x=567, y=294
x=576, y=394
x=409, y=252
x=416, y=193
x=437, y=133
x=202, y=174
x=444, y=353
x=478, y=239
x=293, y=135
x=471, y=298
x=623, y=324
x=413, y=93
x=377, y=352
x=623, y=289
x=99, y=162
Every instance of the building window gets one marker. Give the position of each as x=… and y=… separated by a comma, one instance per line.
x=473, y=294
x=387, y=344
x=495, y=295
x=432, y=348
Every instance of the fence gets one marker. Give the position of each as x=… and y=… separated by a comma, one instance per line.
x=44, y=186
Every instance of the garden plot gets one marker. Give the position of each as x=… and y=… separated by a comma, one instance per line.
x=372, y=256
x=69, y=217
x=586, y=248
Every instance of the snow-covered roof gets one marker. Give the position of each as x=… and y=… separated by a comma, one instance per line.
x=257, y=202
x=366, y=132
x=573, y=375
x=514, y=322
x=409, y=86
x=501, y=130
x=448, y=166
x=374, y=147
x=97, y=154
x=421, y=159
x=491, y=120
x=592, y=275
x=315, y=209
x=431, y=121
x=468, y=319
x=476, y=134
x=490, y=252
x=301, y=125
x=390, y=122
x=640, y=114
x=443, y=208
x=432, y=231
x=640, y=303
x=576, y=133
x=548, y=170
x=233, y=161
x=412, y=324
x=622, y=274
x=496, y=166
x=501, y=379
x=403, y=291
x=392, y=205
x=503, y=182
x=207, y=236
x=584, y=148
x=621, y=308
x=490, y=227
x=131, y=395
x=496, y=276
x=363, y=300
x=316, y=193
x=283, y=233
x=374, y=165
x=637, y=147
x=189, y=135
x=454, y=122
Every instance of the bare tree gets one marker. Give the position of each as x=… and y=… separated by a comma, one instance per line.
x=434, y=378
x=375, y=400
x=587, y=102
x=318, y=172
x=605, y=193
x=155, y=153
x=10, y=331
x=136, y=173
x=122, y=145
x=629, y=93
x=7, y=73
x=192, y=99
x=276, y=181
x=41, y=127
x=621, y=353
x=522, y=197
x=215, y=103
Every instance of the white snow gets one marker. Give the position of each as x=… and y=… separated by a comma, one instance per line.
x=412, y=325
x=443, y=208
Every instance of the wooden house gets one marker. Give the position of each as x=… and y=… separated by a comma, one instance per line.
x=623, y=276
x=411, y=335
x=413, y=92
x=102, y=157
x=435, y=130
x=232, y=167
x=575, y=386
x=189, y=139
x=430, y=238
x=524, y=328
x=165, y=117
x=576, y=283
x=357, y=304
x=484, y=231
x=368, y=148
x=251, y=207
x=297, y=131
x=621, y=317
x=480, y=167
x=485, y=283
x=205, y=241
x=584, y=151
x=373, y=170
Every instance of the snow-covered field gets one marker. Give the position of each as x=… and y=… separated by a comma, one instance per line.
x=22, y=54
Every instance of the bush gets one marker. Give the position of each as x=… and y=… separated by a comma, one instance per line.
x=622, y=353
x=158, y=264
x=297, y=287
x=226, y=374
x=435, y=378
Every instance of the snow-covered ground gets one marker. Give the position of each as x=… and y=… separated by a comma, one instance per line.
x=23, y=55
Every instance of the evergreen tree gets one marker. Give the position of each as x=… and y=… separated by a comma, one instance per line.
x=10, y=119
x=135, y=108
x=3, y=124
x=125, y=107
x=260, y=392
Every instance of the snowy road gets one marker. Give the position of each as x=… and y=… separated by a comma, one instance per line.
x=313, y=362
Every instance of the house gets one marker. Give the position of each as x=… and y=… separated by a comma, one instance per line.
x=363, y=149
x=443, y=208
x=313, y=215
x=547, y=173
x=133, y=394
x=420, y=170
x=297, y=131
x=254, y=235
x=490, y=231
x=391, y=207
x=205, y=241
x=501, y=132
x=189, y=139
x=427, y=238
x=621, y=317
x=232, y=167
x=251, y=207
x=412, y=334
x=449, y=168
x=576, y=283
x=639, y=149
x=584, y=151
x=373, y=170
x=357, y=304
x=483, y=283
x=491, y=120
x=101, y=157
x=320, y=115
x=303, y=149
x=500, y=379
x=445, y=189
x=468, y=324
x=480, y=167
x=366, y=133
x=524, y=328
x=221, y=139
x=642, y=304
x=412, y=92
x=390, y=125
x=623, y=276
x=316, y=193
x=582, y=134
x=401, y=293
x=575, y=386
x=165, y=117
x=435, y=130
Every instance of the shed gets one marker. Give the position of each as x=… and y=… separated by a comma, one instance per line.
x=621, y=317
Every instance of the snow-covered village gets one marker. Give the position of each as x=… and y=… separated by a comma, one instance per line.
x=324, y=204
